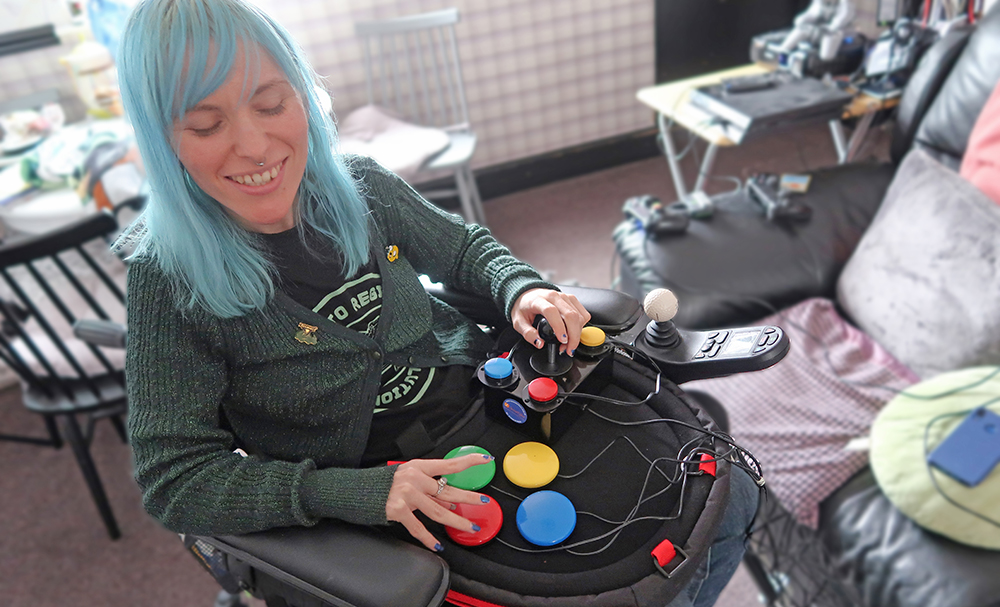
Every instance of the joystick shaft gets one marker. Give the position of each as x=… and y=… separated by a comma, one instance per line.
x=549, y=362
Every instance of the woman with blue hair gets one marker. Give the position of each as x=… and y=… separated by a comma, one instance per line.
x=279, y=338
x=273, y=304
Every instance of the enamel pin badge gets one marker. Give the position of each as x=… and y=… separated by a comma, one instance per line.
x=392, y=253
x=306, y=334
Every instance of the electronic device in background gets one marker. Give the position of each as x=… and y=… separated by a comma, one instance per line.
x=656, y=219
x=972, y=449
x=794, y=184
x=804, y=61
x=894, y=56
x=765, y=188
x=787, y=99
x=745, y=84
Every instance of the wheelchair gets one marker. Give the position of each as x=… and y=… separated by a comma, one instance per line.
x=676, y=503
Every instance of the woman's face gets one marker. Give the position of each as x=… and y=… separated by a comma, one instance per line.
x=224, y=138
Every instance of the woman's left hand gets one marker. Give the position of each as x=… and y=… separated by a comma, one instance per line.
x=565, y=314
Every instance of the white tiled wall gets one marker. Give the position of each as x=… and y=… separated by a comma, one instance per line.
x=540, y=74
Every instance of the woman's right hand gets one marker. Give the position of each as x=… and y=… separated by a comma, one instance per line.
x=414, y=487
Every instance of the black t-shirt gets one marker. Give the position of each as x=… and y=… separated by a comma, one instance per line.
x=433, y=397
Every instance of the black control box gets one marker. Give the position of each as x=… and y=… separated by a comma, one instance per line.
x=532, y=402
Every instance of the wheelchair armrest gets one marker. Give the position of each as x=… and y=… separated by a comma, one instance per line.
x=100, y=332
x=611, y=311
x=342, y=564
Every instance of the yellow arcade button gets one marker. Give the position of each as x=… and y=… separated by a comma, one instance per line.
x=531, y=465
x=592, y=337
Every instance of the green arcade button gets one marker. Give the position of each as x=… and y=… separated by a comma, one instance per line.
x=475, y=477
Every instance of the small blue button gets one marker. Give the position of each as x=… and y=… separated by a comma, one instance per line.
x=546, y=518
x=498, y=368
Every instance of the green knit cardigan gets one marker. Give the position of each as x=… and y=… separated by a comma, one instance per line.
x=200, y=386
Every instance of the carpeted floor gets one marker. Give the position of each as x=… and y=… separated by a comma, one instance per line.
x=53, y=548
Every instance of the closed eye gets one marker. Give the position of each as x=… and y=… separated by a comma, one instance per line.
x=206, y=132
x=274, y=111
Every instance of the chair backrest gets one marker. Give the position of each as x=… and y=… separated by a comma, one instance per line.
x=948, y=90
x=412, y=67
x=49, y=282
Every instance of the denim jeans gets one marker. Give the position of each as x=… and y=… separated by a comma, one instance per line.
x=726, y=552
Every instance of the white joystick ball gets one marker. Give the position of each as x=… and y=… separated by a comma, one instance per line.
x=660, y=305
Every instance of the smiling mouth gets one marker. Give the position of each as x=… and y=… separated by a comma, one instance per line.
x=258, y=179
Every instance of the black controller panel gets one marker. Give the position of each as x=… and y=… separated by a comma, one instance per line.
x=526, y=387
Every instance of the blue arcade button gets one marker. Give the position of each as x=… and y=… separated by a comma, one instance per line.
x=546, y=518
x=498, y=368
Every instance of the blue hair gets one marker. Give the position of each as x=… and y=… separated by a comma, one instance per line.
x=213, y=262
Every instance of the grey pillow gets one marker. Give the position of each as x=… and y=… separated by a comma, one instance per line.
x=924, y=281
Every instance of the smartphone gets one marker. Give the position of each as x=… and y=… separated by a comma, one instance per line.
x=972, y=449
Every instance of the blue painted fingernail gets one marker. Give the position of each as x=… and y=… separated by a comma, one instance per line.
x=537, y=342
x=475, y=528
x=572, y=352
x=484, y=499
x=487, y=457
x=438, y=548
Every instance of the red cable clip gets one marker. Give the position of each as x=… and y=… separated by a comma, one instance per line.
x=707, y=464
x=664, y=553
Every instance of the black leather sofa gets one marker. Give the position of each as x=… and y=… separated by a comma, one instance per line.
x=737, y=266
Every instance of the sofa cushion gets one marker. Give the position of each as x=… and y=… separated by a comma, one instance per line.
x=892, y=562
x=981, y=164
x=736, y=267
x=945, y=129
x=798, y=416
x=925, y=279
x=927, y=413
x=399, y=146
x=923, y=86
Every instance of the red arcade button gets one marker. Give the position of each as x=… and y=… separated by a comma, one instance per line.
x=489, y=517
x=543, y=389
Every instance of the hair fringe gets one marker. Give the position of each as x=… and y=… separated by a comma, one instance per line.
x=212, y=262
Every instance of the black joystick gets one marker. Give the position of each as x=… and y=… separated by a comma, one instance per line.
x=548, y=361
x=661, y=306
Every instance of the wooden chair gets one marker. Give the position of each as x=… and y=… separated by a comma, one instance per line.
x=412, y=68
x=50, y=282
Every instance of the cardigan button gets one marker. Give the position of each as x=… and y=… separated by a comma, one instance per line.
x=411, y=360
x=376, y=355
x=444, y=359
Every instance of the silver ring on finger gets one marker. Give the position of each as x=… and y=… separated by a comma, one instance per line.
x=442, y=483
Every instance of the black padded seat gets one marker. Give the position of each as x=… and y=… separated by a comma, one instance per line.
x=722, y=267
x=892, y=562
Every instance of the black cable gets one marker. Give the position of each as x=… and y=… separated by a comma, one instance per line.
x=681, y=477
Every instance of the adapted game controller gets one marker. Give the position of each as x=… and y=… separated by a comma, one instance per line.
x=656, y=218
x=544, y=518
x=764, y=188
x=525, y=388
